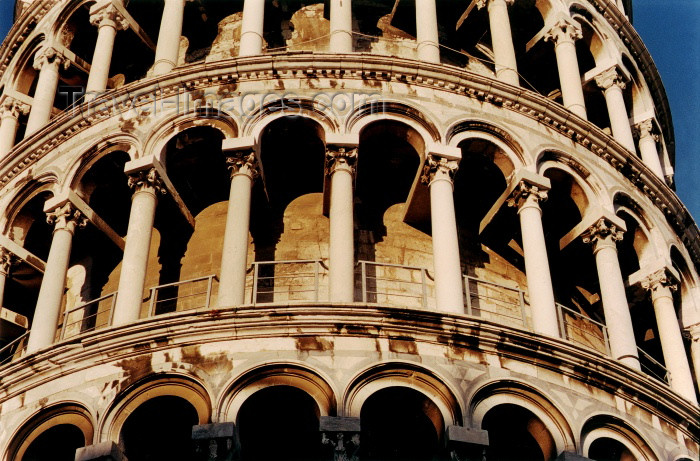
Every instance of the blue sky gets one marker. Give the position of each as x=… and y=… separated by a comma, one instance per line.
x=671, y=31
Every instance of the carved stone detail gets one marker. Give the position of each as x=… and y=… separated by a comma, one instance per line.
x=483, y=3
x=66, y=217
x=346, y=446
x=47, y=54
x=660, y=278
x=108, y=15
x=564, y=30
x=523, y=191
x=438, y=167
x=7, y=259
x=11, y=107
x=647, y=129
x=340, y=156
x=145, y=179
x=243, y=162
x=609, y=78
x=601, y=230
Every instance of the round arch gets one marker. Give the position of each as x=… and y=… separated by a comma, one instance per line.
x=120, y=142
x=513, y=158
x=412, y=116
x=22, y=74
x=173, y=386
x=606, y=426
x=65, y=413
x=500, y=392
x=257, y=121
x=403, y=374
x=45, y=183
x=281, y=374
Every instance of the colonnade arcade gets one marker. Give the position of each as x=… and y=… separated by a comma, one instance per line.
x=511, y=41
x=384, y=414
x=530, y=223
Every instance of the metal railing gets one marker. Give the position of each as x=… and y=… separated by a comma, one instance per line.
x=583, y=330
x=90, y=316
x=394, y=284
x=14, y=349
x=493, y=301
x=653, y=367
x=287, y=281
x=181, y=296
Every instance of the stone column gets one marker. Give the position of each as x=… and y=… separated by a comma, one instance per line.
x=603, y=235
x=108, y=21
x=341, y=26
x=694, y=334
x=612, y=84
x=5, y=264
x=340, y=167
x=252, y=28
x=439, y=173
x=647, y=147
x=47, y=61
x=147, y=185
x=502, y=40
x=169, y=36
x=427, y=38
x=526, y=198
x=660, y=284
x=563, y=35
x=11, y=110
x=234, y=256
x=66, y=219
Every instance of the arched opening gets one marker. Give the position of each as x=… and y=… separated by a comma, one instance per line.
x=608, y=438
x=607, y=449
x=590, y=52
x=516, y=433
x=400, y=424
x=57, y=443
x=159, y=429
x=279, y=422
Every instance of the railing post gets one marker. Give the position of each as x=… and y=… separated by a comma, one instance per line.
x=468, y=293
x=316, y=270
x=152, y=306
x=254, y=294
x=363, y=266
x=210, y=282
x=63, y=326
x=560, y=319
x=424, y=287
x=111, y=310
x=521, y=298
x=606, y=340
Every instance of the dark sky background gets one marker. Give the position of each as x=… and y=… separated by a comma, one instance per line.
x=671, y=31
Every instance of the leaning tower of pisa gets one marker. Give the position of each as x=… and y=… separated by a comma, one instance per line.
x=349, y=230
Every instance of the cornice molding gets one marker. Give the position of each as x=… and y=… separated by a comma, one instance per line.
x=198, y=327
x=366, y=67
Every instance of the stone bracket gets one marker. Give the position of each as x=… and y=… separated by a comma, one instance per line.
x=23, y=254
x=589, y=220
x=105, y=451
x=133, y=25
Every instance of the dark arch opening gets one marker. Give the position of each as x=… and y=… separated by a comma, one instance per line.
x=606, y=449
x=515, y=433
x=160, y=429
x=279, y=422
x=57, y=443
x=400, y=424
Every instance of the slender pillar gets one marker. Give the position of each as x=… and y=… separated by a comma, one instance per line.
x=660, y=284
x=527, y=197
x=252, y=27
x=234, y=257
x=146, y=185
x=603, y=235
x=438, y=174
x=694, y=334
x=647, y=147
x=427, y=38
x=340, y=166
x=11, y=110
x=108, y=21
x=563, y=35
x=5, y=264
x=612, y=84
x=47, y=61
x=502, y=40
x=66, y=220
x=341, y=26
x=169, y=36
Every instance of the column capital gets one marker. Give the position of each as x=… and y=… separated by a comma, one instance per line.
x=106, y=14
x=7, y=259
x=693, y=332
x=483, y=3
x=647, y=128
x=340, y=157
x=66, y=217
x=565, y=29
x=146, y=180
x=662, y=278
x=438, y=168
x=11, y=107
x=602, y=230
x=47, y=54
x=525, y=192
x=243, y=162
x=609, y=78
